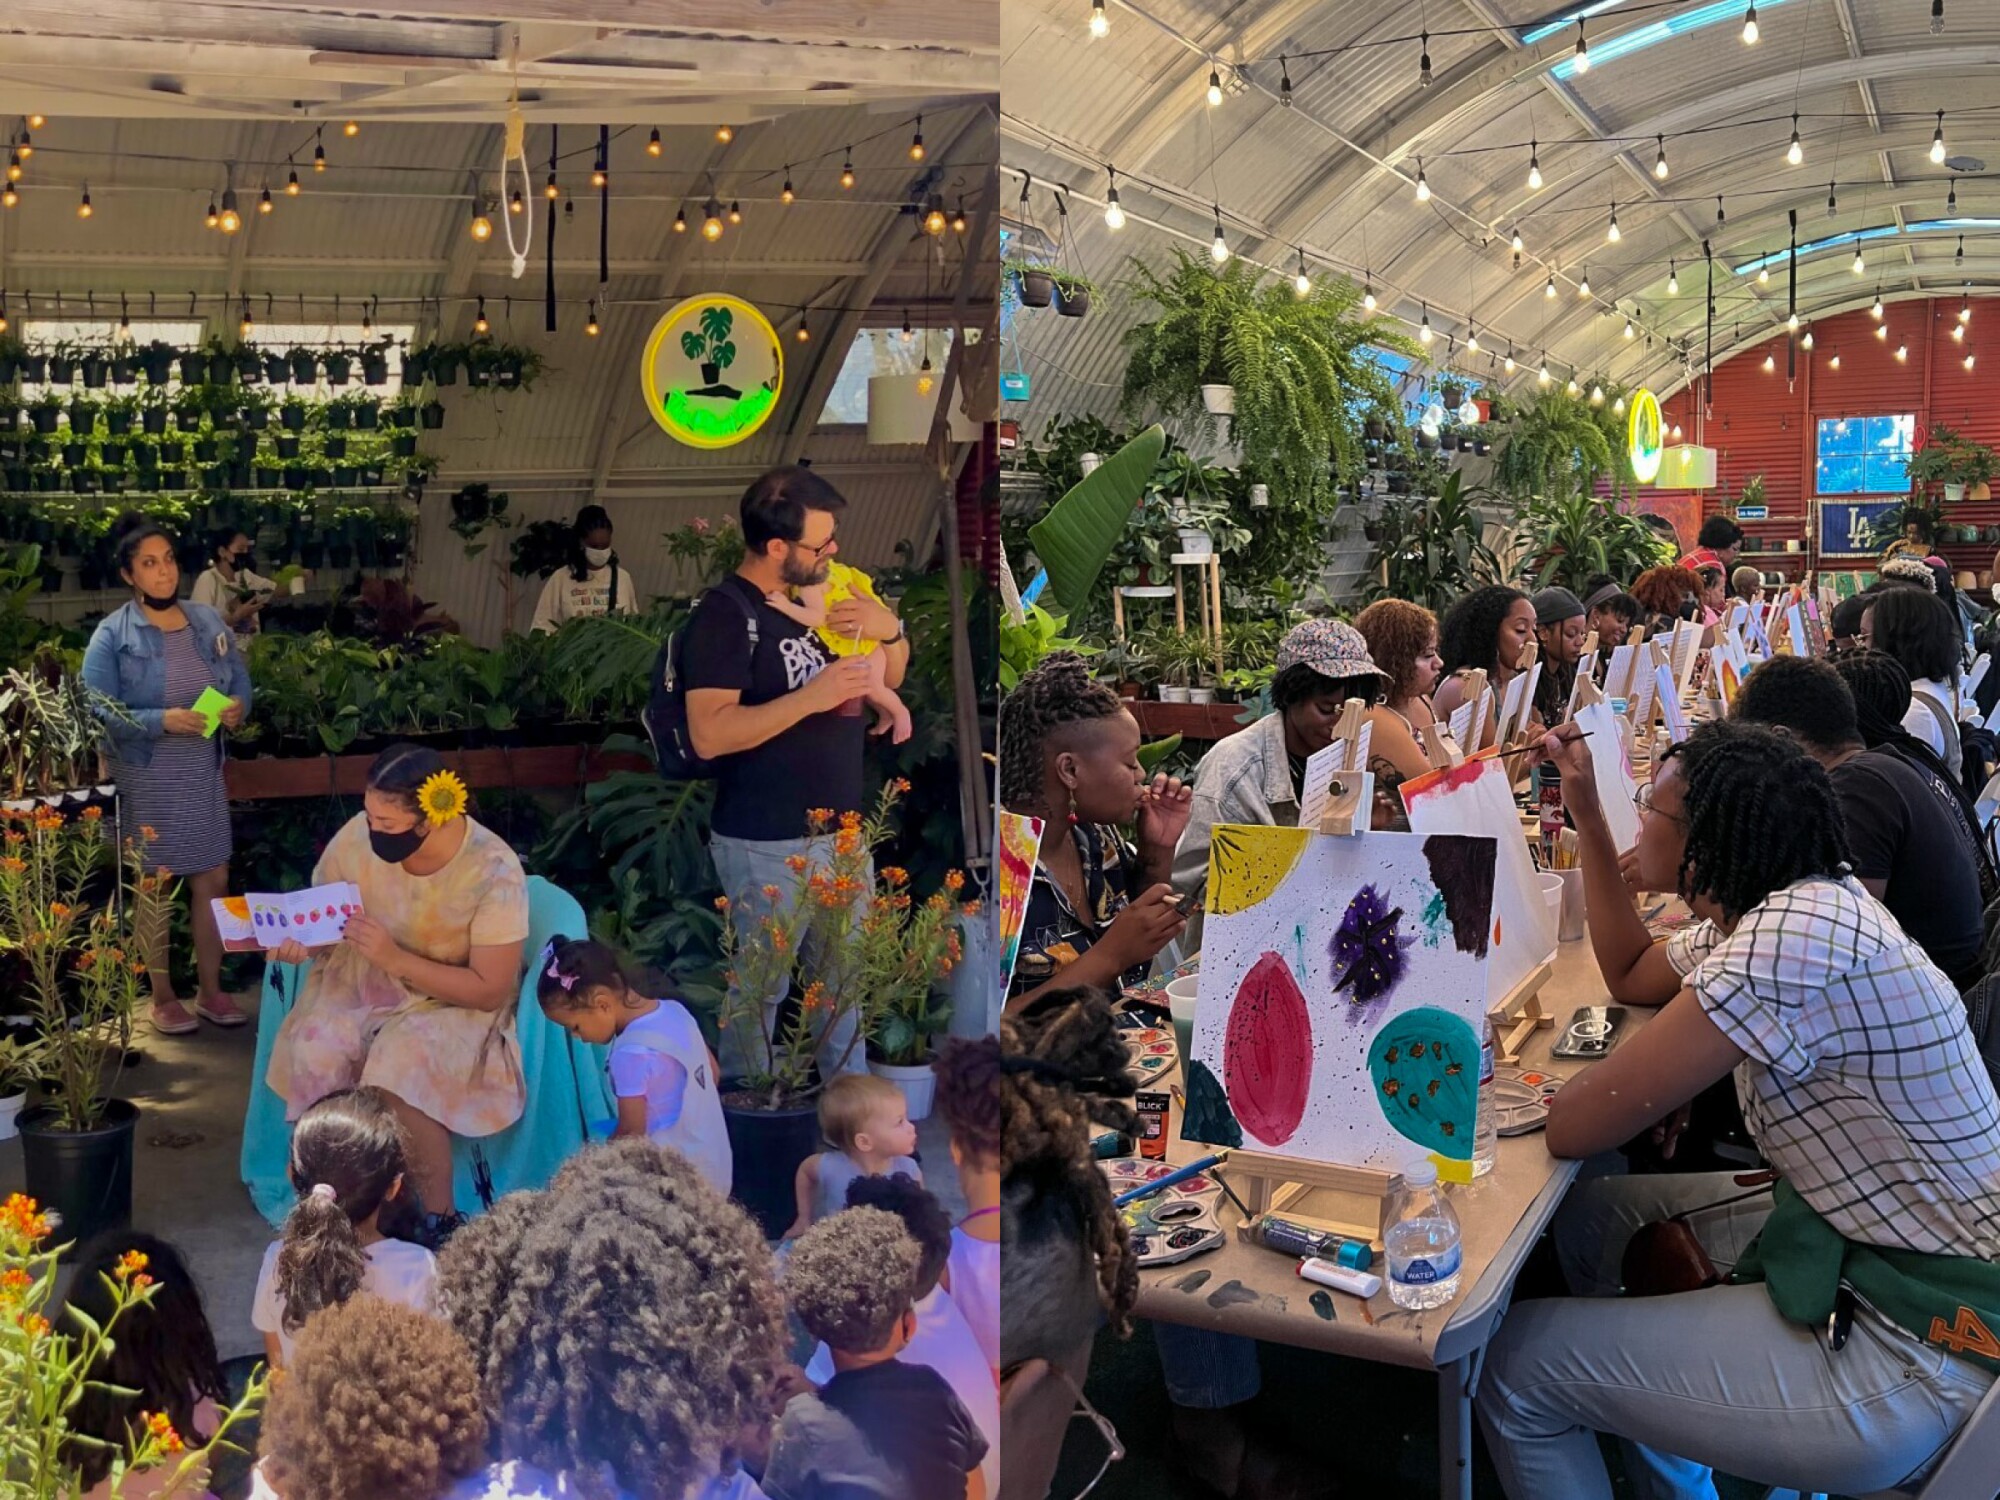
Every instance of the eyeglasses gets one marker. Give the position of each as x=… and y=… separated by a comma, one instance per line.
x=1643, y=800
x=821, y=550
x=1114, y=1451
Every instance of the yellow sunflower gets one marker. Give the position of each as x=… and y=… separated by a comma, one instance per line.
x=442, y=798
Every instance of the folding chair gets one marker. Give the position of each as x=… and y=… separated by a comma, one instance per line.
x=1969, y=1470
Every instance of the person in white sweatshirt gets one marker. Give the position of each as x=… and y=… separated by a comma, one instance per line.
x=592, y=582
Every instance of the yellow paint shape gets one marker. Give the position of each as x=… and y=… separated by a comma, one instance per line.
x=1247, y=862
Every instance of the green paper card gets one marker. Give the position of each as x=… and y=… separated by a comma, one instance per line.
x=210, y=706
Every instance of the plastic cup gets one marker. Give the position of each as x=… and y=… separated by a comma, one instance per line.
x=1573, y=923
x=1180, y=1001
x=1552, y=893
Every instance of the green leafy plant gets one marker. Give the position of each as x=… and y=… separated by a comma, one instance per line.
x=1075, y=539
x=1561, y=444
x=1026, y=641
x=1431, y=551
x=1948, y=457
x=712, y=347
x=476, y=509
x=1565, y=538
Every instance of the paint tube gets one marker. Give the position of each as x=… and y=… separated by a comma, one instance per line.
x=1326, y=1273
x=1153, y=1111
x=1287, y=1238
x=1110, y=1143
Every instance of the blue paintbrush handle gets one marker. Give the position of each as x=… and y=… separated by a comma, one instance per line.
x=1181, y=1174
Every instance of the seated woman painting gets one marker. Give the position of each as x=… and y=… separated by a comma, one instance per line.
x=417, y=999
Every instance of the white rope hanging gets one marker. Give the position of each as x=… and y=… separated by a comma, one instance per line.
x=514, y=148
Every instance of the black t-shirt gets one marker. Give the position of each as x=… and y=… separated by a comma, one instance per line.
x=764, y=792
x=886, y=1432
x=1904, y=826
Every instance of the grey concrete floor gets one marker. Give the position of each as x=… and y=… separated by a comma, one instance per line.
x=192, y=1092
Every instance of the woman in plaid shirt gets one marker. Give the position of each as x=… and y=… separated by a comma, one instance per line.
x=1864, y=1090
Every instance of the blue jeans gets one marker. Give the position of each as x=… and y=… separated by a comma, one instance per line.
x=1206, y=1369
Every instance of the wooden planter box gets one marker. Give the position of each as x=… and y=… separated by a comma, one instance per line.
x=482, y=770
x=1191, y=721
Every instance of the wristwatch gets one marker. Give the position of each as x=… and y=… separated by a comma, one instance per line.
x=902, y=634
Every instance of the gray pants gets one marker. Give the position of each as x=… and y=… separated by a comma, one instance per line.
x=1717, y=1376
x=745, y=867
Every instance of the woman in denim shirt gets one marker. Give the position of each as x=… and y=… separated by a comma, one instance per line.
x=154, y=657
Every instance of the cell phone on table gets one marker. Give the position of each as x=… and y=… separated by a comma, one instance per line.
x=1591, y=1032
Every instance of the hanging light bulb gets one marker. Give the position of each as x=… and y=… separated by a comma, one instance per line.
x=248, y=325
x=1968, y=361
x=25, y=145
x=1673, y=281
x=1951, y=198
x=1114, y=215
x=1424, y=334
x=804, y=335
x=653, y=146
x=1517, y=239
x=1583, y=286
x=724, y=134
x=482, y=227
x=10, y=197
x=934, y=219
x=590, y=325
x=1795, y=153
x=958, y=222
x=15, y=171
x=1424, y=63
x=1100, y=23
x=1958, y=333
x=550, y=190
x=1902, y=353
x=292, y=183
x=1596, y=394
x=231, y=220
x=1534, y=166
x=1218, y=250
x=1582, y=49
x=1770, y=364
x=847, y=169
x=1510, y=359
x=1882, y=332
x=367, y=323
x=1792, y=323
x=1472, y=340
x=1573, y=388
x=1302, y=282
x=1958, y=256
x=1214, y=86
x=736, y=215
x=1763, y=276
x=1423, y=186
x=319, y=150
x=479, y=324
x=785, y=194
x=1549, y=290
x=1677, y=432
x=908, y=332
x=83, y=208
x=1618, y=406
x=1937, y=141
x=1629, y=331
x=1965, y=310
x=599, y=177
x=351, y=129
x=1611, y=233
x=213, y=217
x=681, y=220
x=1368, y=291
x=515, y=204
x=1832, y=204
x=711, y=221
x=1543, y=377
x=1806, y=342
x=917, y=141
x=1750, y=27
x=264, y=204
x=925, y=381
x=1876, y=310
x=36, y=122
x=1833, y=360
x=1660, y=167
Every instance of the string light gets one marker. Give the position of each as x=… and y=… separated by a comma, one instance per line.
x=1806, y=341
x=1968, y=361
x=231, y=220
x=1100, y=23
x=1618, y=406
x=25, y=145
x=319, y=149
x=9, y=196
x=1573, y=388
x=736, y=215
x=1302, y=282
x=1423, y=187
x=1517, y=239
x=1876, y=310
x=1534, y=166
x=351, y=129
x=804, y=335
x=264, y=204
x=958, y=220
x=917, y=141
x=908, y=332
x=1510, y=360
x=1114, y=215
x=590, y=325
x=1833, y=360
x=83, y=208
x=599, y=177
x=1628, y=328
x=934, y=219
x=1660, y=167
x=1958, y=333
x=1902, y=353
x=1795, y=153
x=1583, y=286
x=653, y=146
x=248, y=325
x=1832, y=204
x=1549, y=291
x=36, y=122
x=1284, y=84
x=1792, y=323
x=479, y=324
x=15, y=171
x=1214, y=86
x=1965, y=310
x=711, y=221
x=1763, y=276
x=1368, y=290
x=214, y=219
x=1472, y=340
x=1750, y=27
x=291, y=180
x=681, y=220
x=1218, y=250
x=550, y=190
x=1424, y=333
x=1770, y=364
x=847, y=169
x=785, y=194
x=1882, y=332
x=1543, y=377
x=1582, y=51
x=1424, y=63
x=1937, y=141
x=724, y=134
x=1673, y=281
x=482, y=227
x=1612, y=234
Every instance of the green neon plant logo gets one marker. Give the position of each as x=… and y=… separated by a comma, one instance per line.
x=710, y=401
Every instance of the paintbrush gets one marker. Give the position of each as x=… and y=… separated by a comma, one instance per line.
x=1182, y=1174
x=1567, y=739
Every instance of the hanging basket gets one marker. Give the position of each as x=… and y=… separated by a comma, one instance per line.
x=1220, y=400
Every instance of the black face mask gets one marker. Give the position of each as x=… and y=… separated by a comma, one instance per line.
x=160, y=604
x=396, y=847
x=241, y=560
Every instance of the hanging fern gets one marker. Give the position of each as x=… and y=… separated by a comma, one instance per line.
x=1560, y=445
x=1301, y=367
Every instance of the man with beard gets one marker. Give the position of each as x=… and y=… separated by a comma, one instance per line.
x=777, y=714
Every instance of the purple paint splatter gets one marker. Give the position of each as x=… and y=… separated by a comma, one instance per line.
x=1368, y=952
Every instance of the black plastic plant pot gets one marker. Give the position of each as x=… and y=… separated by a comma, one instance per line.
x=150, y=480
x=82, y=417
x=173, y=450
x=112, y=482
x=346, y=476
x=305, y=369
x=82, y=482
x=767, y=1146
x=374, y=369
x=249, y=366
x=157, y=367
x=206, y=450
x=48, y=481
x=312, y=554
x=62, y=369
x=269, y=478
x=400, y=416
x=19, y=478
x=293, y=418
x=83, y=1175
x=1448, y=441
x=96, y=371
x=188, y=421
x=10, y=368
x=276, y=369
x=154, y=419
x=1074, y=303
x=403, y=445
x=124, y=369
x=367, y=418
x=241, y=474
x=118, y=423
x=146, y=455
x=44, y=418
x=371, y=475
x=320, y=476
x=340, y=555
x=444, y=371
x=288, y=445
x=194, y=368
x=338, y=368
x=114, y=455
x=35, y=367
x=510, y=373
x=337, y=418
x=257, y=418
x=1038, y=289
x=480, y=379
x=296, y=476
x=246, y=446
x=216, y=476
x=75, y=453
x=336, y=447
x=431, y=415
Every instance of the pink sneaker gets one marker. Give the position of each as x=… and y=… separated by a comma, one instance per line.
x=220, y=1011
x=172, y=1019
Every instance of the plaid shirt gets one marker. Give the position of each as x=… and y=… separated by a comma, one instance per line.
x=1861, y=1081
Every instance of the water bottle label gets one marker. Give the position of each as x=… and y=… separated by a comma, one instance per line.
x=1421, y=1271
x=1486, y=1060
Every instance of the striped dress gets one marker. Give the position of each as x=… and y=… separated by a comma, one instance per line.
x=180, y=796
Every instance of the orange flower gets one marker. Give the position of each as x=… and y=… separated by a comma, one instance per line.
x=160, y=1427
x=13, y=865
x=130, y=1264
x=796, y=863
x=820, y=815
x=903, y=785
x=15, y=836
x=93, y=814
x=847, y=841
x=771, y=893
x=894, y=875
x=36, y=1324
x=954, y=881
x=22, y=1214
x=850, y=821
x=14, y=1283
x=148, y=832
x=722, y=903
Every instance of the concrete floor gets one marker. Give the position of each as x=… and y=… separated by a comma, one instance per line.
x=192, y=1092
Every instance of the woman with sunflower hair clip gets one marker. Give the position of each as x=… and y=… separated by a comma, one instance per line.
x=417, y=999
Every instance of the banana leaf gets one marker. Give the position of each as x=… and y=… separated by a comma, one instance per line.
x=1157, y=753
x=1074, y=540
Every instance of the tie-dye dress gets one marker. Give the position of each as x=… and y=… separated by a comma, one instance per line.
x=354, y=1024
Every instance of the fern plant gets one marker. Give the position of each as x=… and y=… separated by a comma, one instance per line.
x=1559, y=445
x=1565, y=538
x=1301, y=367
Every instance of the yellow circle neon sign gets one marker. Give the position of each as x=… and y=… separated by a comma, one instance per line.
x=1643, y=437
x=713, y=371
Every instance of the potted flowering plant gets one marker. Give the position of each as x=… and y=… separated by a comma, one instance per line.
x=47, y=1372
x=906, y=950
x=72, y=906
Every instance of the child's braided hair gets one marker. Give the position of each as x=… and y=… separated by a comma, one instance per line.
x=1056, y=692
x=1759, y=813
x=1063, y=1068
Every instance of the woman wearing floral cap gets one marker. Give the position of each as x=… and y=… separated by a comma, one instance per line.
x=416, y=998
x=1256, y=776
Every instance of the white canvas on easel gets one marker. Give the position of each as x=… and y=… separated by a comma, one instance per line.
x=1617, y=791
x=1681, y=653
x=1347, y=751
x=1618, y=679
x=1586, y=671
x=1670, y=706
x=1511, y=698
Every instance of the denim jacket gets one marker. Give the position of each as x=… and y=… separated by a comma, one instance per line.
x=127, y=662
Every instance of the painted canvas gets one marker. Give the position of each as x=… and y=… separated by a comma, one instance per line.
x=1476, y=799
x=1020, y=847
x=1343, y=982
x=1617, y=790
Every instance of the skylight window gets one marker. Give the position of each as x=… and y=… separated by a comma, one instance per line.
x=1640, y=38
x=1848, y=240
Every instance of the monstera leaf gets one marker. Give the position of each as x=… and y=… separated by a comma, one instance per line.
x=692, y=344
x=716, y=322
x=725, y=354
x=1076, y=537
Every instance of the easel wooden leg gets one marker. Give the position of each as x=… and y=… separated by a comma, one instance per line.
x=1117, y=614
x=1180, y=604
x=1518, y=1016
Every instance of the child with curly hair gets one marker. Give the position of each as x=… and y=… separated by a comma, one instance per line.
x=162, y=1359
x=381, y=1400
x=662, y=1072
x=866, y=1122
x=880, y=1428
x=968, y=1096
x=628, y=1332
x=349, y=1166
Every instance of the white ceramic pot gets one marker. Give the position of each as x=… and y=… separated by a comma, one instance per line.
x=1088, y=463
x=1260, y=496
x=1196, y=543
x=1219, y=399
x=1201, y=695
x=919, y=1084
x=1953, y=493
x=10, y=1109
x=1170, y=693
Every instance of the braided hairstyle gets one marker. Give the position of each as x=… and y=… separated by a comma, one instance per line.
x=1063, y=1068
x=1469, y=636
x=1056, y=693
x=1759, y=813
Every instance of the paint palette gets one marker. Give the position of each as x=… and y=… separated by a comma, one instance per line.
x=1170, y=1229
x=1521, y=1099
x=1130, y=1172
x=1151, y=1050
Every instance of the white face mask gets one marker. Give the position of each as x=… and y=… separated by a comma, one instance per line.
x=597, y=557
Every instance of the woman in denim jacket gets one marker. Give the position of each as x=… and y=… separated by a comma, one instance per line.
x=154, y=657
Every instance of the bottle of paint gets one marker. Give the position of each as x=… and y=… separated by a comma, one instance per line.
x=1153, y=1108
x=1621, y=710
x=1421, y=1236
x=1287, y=1238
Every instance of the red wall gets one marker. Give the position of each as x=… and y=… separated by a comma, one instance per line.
x=1758, y=425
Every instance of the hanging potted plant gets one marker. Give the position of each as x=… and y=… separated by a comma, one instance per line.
x=1073, y=294
x=82, y=416
x=155, y=361
x=80, y=953
x=442, y=362
x=367, y=413
x=334, y=445
x=189, y=407
x=96, y=366
x=375, y=364
x=62, y=364
x=1033, y=279
x=339, y=365
x=153, y=410
x=304, y=365
x=287, y=444
x=431, y=415
x=256, y=410
x=402, y=444
x=293, y=414
x=277, y=367
x=249, y=364
x=119, y=413
x=194, y=366
x=337, y=414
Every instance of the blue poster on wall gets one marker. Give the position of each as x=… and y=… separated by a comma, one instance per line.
x=1847, y=527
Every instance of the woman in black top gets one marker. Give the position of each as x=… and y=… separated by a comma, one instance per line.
x=1100, y=907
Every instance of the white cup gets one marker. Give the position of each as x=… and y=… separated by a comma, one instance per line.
x=1180, y=1001
x=1573, y=922
x=1552, y=893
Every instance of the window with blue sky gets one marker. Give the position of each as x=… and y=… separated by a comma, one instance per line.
x=1864, y=455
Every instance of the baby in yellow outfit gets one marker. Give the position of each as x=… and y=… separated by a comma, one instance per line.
x=808, y=606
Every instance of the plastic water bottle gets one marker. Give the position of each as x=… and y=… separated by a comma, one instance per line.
x=1485, y=1135
x=1621, y=710
x=1421, y=1238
